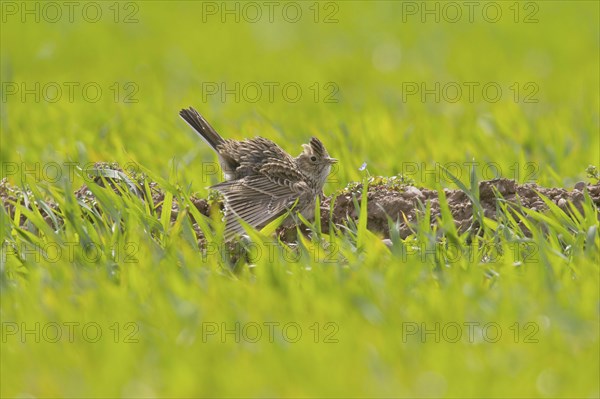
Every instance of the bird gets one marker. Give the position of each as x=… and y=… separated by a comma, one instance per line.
x=262, y=181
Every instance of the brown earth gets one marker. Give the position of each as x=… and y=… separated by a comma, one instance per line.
x=408, y=202
x=400, y=202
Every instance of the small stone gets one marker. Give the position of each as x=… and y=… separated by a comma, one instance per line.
x=580, y=186
x=387, y=242
x=412, y=192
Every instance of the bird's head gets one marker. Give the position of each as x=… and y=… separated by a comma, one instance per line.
x=315, y=162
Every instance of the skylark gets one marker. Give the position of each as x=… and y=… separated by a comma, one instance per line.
x=262, y=181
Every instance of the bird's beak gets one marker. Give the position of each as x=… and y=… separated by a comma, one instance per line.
x=332, y=160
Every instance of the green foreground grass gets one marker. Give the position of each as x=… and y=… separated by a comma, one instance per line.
x=117, y=300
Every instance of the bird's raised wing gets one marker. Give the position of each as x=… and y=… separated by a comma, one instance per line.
x=259, y=199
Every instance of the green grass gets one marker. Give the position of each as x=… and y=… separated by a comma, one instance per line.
x=131, y=277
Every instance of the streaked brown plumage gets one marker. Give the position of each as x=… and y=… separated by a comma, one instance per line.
x=262, y=180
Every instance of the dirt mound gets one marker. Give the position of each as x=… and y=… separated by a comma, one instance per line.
x=387, y=199
x=407, y=203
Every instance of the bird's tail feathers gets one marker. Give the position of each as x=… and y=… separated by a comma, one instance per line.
x=200, y=125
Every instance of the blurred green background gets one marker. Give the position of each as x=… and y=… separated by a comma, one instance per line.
x=367, y=57
x=357, y=65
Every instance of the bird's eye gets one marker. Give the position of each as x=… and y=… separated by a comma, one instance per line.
x=313, y=158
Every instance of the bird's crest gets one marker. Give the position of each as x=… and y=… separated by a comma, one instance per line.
x=315, y=147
